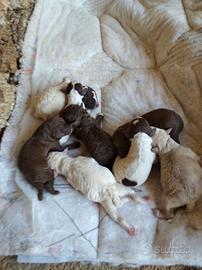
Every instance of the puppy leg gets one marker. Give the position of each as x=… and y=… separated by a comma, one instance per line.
x=39, y=187
x=166, y=211
x=48, y=185
x=112, y=211
x=99, y=118
x=58, y=148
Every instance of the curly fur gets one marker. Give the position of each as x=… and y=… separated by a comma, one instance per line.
x=88, y=130
x=32, y=160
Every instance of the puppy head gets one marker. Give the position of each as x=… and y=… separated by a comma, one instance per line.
x=81, y=89
x=139, y=124
x=160, y=139
x=89, y=96
x=73, y=115
x=90, y=99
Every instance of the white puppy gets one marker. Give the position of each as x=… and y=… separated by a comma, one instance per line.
x=136, y=166
x=95, y=182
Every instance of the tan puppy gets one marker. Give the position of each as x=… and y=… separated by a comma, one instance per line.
x=181, y=175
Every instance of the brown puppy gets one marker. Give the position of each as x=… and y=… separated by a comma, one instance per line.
x=32, y=159
x=87, y=129
x=161, y=118
x=166, y=119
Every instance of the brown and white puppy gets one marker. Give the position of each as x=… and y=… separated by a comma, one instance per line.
x=32, y=160
x=89, y=99
x=181, y=175
x=87, y=129
x=160, y=118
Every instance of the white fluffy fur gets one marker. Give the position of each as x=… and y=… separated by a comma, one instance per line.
x=137, y=165
x=49, y=102
x=75, y=98
x=95, y=182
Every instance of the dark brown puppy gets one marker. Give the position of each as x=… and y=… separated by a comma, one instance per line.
x=32, y=159
x=165, y=119
x=87, y=129
x=160, y=118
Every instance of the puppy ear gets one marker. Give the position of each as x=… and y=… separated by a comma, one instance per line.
x=168, y=131
x=67, y=90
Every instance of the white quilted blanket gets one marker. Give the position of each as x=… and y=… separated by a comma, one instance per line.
x=138, y=55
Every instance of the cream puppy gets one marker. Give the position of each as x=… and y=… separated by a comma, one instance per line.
x=136, y=166
x=95, y=182
x=49, y=102
x=181, y=175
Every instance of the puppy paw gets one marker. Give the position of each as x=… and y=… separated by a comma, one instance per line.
x=168, y=216
x=156, y=212
x=132, y=231
x=55, y=192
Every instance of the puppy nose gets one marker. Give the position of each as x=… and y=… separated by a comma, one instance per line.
x=128, y=183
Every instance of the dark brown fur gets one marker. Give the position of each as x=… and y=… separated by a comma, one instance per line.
x=160, y=118
x=122, y=136
x=88, y=130
x=165, y=119
x=32, y=159
x=87, y=92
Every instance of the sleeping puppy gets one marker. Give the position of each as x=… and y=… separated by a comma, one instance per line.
x=165, y=119
x=32, y=160
x=89, y=95
x=134, y=169
x=160, y=118
x=87, y=129
x=123, y=135
x=181, y=175
x=96, y=183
